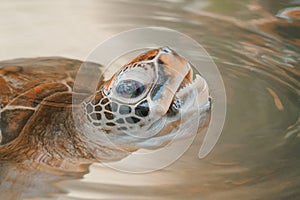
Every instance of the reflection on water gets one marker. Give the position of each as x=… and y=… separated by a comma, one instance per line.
x=254, y=43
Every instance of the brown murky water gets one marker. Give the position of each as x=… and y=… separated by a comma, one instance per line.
x=256, y=46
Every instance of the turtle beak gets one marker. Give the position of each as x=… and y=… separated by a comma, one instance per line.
x=173, y=72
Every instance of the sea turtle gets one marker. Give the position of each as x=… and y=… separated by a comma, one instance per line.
x=37, y=112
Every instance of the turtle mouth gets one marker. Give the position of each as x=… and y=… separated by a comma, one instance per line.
x=191, y=92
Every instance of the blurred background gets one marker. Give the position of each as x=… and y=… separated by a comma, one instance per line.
x=256, y=46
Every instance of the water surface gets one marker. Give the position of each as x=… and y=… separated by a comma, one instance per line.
x=256, y=46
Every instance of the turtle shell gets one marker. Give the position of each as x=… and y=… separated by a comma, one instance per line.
x=27, y=83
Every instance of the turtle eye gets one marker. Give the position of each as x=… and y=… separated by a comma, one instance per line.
x=130, y=88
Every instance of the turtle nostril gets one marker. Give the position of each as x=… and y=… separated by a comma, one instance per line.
x=166, y=49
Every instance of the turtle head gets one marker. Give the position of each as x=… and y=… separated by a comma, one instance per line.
x=146, y=94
